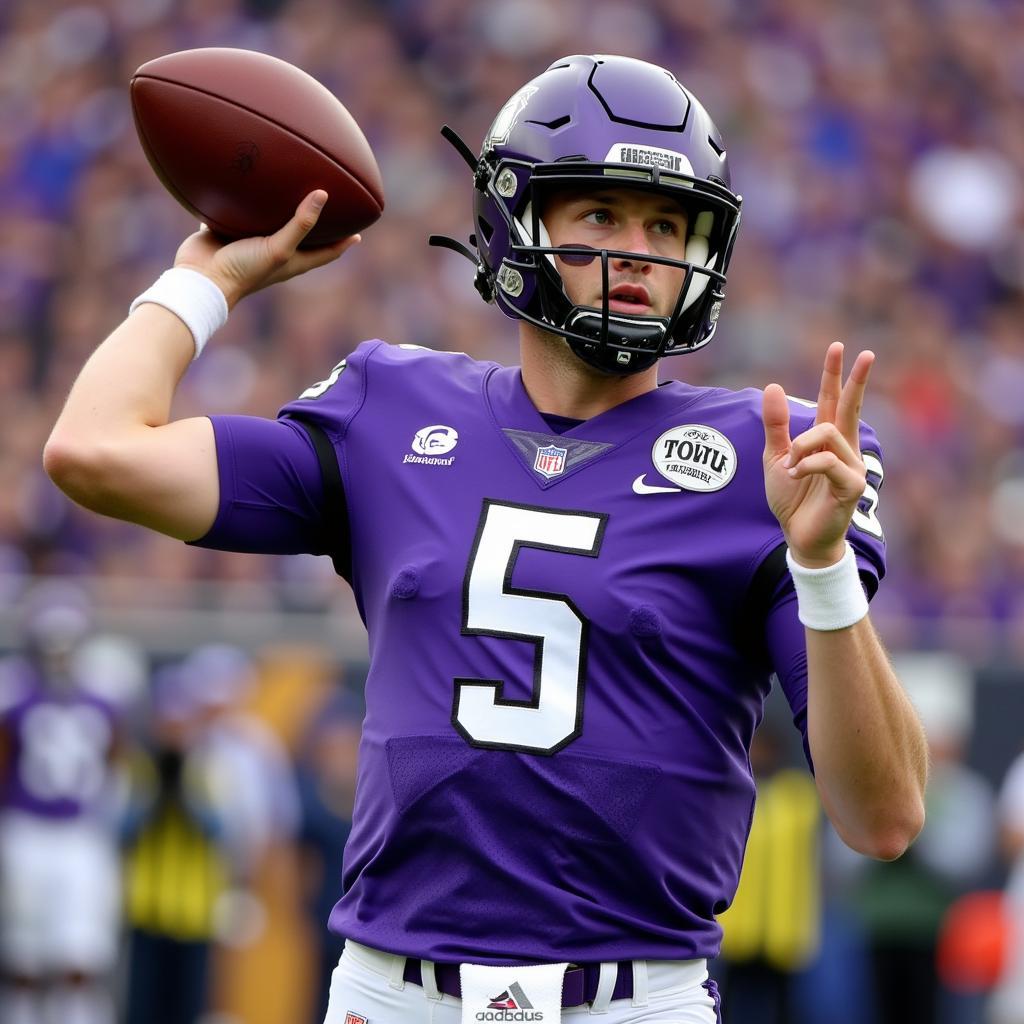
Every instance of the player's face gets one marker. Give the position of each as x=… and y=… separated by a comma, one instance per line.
x=627, y=220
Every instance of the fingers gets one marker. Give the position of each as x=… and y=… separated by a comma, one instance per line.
x=288, y=259
x=847, y=481
x=775, y=414
x=824, y=451
x=852, y=399
x=309, y=259
x=822, y=437
x=841, y=403
x=287, y=239
x=831, y=384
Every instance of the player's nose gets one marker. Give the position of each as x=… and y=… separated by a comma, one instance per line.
x=632, y=238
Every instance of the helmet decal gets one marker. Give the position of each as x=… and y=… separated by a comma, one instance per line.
x=631, y=153
x=506, y=119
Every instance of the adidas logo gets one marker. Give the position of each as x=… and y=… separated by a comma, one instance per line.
x=513, y=998
x=510, y=1005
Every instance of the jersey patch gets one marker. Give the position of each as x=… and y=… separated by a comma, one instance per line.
x=550, y=458
x=695, y=457
x=437, y=439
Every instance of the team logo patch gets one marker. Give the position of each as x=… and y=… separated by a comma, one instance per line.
x=695, y=457
x=356, y=1018
x=550, y=460
x=431, y=444
x=435, y=440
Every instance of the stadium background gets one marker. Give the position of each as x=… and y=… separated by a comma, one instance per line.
x=879, y=152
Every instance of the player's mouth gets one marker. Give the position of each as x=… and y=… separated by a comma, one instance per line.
x=630, y=298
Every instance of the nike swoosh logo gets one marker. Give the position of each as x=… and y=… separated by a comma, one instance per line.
x=639, y=487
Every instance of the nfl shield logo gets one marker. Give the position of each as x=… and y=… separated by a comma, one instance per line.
x=550, y=461
x=355, y=1018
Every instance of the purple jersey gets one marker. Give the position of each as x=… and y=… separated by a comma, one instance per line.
x=58, y=752
x=571, y=639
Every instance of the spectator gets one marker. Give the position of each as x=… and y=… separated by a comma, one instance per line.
x=902, y=903
x=772, y=928
x=177, y=864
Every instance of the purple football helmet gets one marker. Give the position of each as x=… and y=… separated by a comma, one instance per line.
x=585, y=123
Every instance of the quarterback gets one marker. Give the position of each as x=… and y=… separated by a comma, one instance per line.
x=577, y=582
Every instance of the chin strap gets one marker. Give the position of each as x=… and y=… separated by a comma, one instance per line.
x=481, y=281
x=463, y=150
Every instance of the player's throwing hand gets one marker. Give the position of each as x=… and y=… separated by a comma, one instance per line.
x=249, y=264
x=814, y=481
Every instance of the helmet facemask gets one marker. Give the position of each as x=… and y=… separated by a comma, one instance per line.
x=610, y=340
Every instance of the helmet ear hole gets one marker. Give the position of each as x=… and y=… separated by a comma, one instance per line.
x=697, y=249
x=486, y=228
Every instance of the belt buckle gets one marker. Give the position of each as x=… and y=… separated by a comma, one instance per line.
x=522, y=994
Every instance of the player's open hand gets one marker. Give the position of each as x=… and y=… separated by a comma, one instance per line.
x=814, y=481
x=249, y=264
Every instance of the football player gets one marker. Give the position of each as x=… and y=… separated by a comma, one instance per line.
x=59, y=874
x=577, y=583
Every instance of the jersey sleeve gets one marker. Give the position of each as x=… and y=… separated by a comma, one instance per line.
x=787, y=653
x=271, y=489
x=281, y=491
x=332, y=403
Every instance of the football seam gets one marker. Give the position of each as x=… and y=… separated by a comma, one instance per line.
x=378, y=200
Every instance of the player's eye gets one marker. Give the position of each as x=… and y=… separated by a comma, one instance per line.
x=665, y=227
x=600, y=217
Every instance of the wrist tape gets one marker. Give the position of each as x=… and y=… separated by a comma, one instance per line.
x=830, y=598
x=193, y=298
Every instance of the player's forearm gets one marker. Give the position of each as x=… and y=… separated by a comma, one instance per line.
x=869, y=750
x=125, y=389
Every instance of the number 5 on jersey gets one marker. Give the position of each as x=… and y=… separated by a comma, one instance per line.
x=553, y=715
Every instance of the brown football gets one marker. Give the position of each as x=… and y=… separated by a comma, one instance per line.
x=239, y=137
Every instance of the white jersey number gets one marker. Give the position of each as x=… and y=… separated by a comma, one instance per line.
x=64, y=752
x=553, y=715
x=866, y=518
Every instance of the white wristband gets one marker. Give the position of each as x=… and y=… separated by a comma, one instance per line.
x=829, y=598
x=193, y=298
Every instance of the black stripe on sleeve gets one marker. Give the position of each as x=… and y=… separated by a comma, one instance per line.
x=758, y=600
x=772, y=568
x=337, y=534
x=767, y=577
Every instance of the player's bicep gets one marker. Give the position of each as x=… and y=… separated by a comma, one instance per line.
x=165, y=478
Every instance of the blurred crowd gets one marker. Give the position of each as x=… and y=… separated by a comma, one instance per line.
x=877, y=147
x=171, y=833
x=878, y=150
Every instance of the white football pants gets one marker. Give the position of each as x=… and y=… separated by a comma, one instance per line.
x=367, y=984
